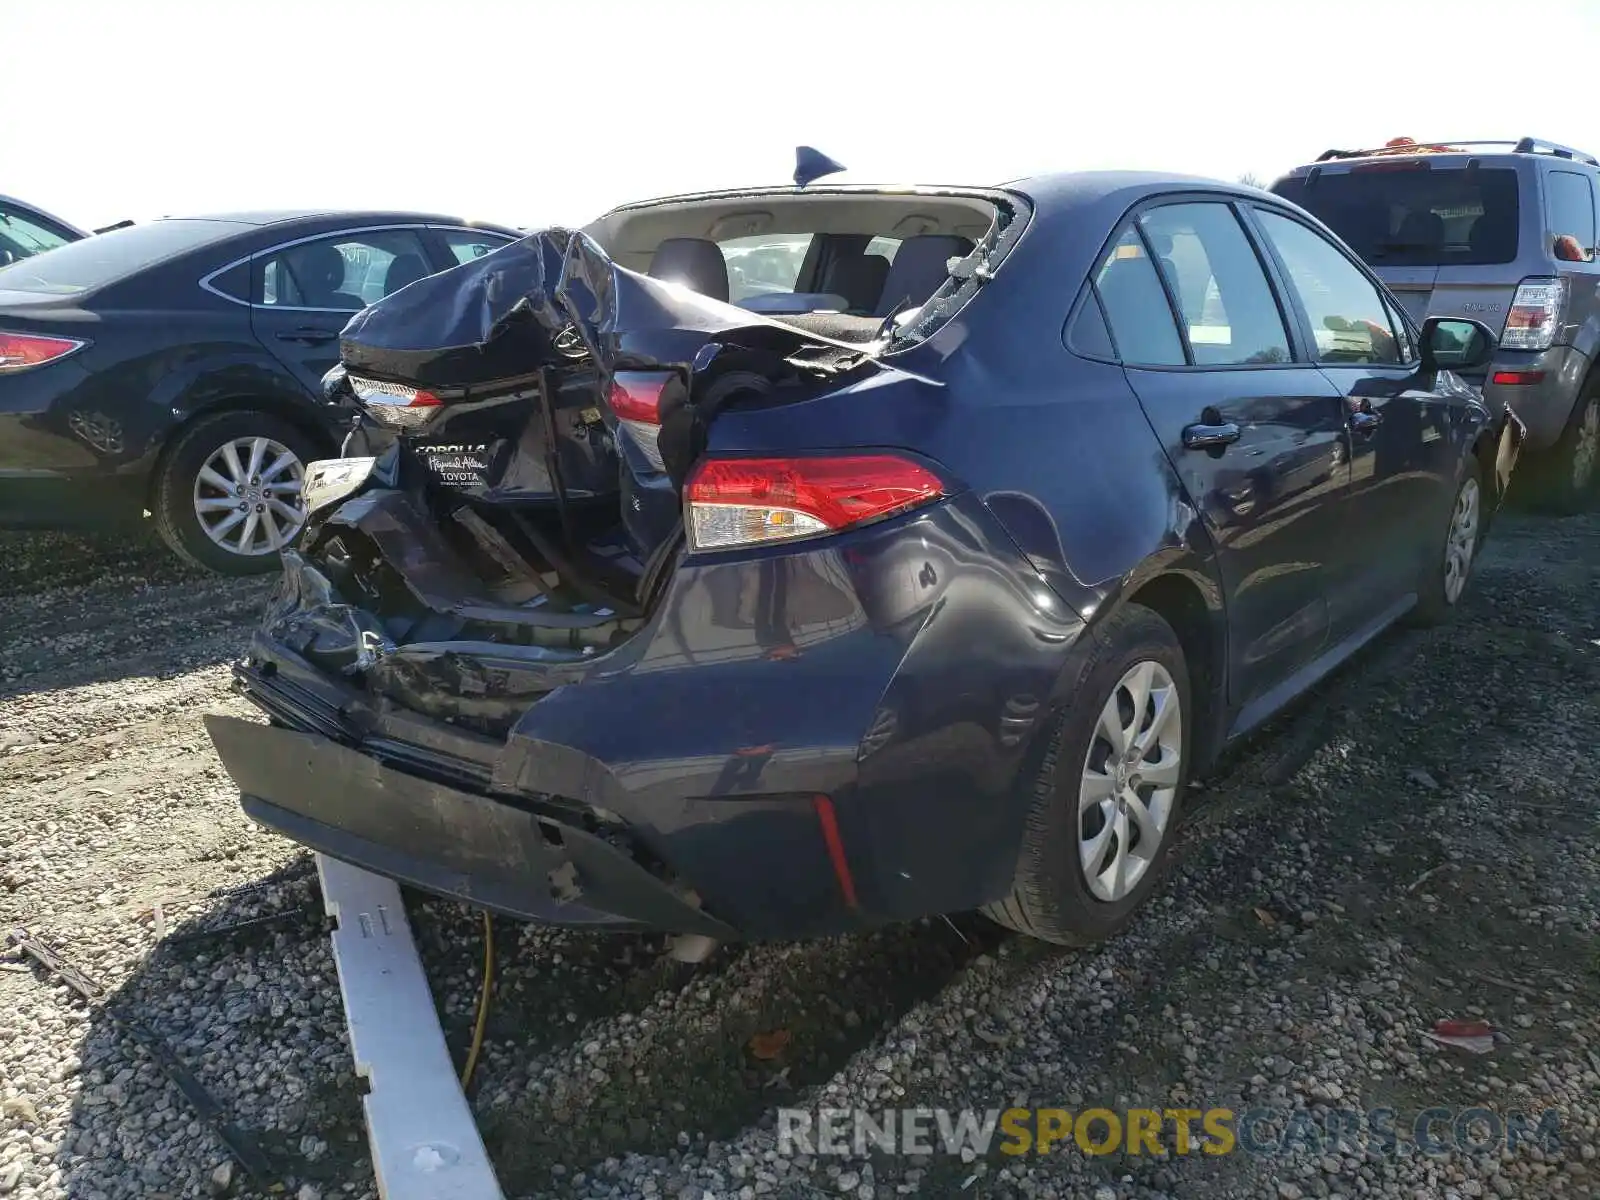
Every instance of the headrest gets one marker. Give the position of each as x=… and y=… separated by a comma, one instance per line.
x=694, y=262
x=920, y=266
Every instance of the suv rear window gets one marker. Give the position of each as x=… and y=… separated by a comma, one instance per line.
x=107, y=257
x=1410, y=217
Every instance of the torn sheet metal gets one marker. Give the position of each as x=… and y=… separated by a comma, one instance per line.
x=555, y=307
x=425, y=1142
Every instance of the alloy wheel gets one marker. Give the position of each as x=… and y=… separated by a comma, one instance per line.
x=1586, y=450
x=247, y=496
x=1130, y=781
x=1461, y=544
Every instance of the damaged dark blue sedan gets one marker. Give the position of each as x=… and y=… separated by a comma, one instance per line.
x=781, y=562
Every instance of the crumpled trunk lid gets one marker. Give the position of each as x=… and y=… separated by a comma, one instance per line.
x=510, y=515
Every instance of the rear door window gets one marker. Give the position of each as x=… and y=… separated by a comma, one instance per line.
x=1136, y=306
x=1403, y=215
x=1350, y=320
x=1569, y=207
x=343, y=272
x=1224, y=299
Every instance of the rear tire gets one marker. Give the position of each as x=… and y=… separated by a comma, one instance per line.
x=1573, y=465
x=1446, y=576
x=1055, y=896
x=202, y=511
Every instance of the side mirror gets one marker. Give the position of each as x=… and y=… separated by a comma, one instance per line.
x=1456, y=344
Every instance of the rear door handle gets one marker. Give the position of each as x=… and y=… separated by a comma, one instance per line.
x=1365, y=423
x=308, y=335
x=1209, y=437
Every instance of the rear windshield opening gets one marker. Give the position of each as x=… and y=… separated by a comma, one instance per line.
x=1416, y=218
x=839, y=264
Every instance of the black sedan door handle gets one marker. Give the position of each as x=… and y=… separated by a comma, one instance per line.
x=308, y=335
x=1210, y=436
x=1365, y=423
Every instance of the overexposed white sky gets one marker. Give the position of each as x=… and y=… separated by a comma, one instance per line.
x=538, y=112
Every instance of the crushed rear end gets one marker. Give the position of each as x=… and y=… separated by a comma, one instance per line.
x=499, y=669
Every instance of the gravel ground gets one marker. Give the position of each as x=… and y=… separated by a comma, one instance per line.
x=1417, y=842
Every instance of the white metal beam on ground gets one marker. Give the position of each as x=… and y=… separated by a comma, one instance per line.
x=425, y=1144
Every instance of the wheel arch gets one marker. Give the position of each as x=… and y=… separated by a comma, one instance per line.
x=297, y=414
x=1183, y=589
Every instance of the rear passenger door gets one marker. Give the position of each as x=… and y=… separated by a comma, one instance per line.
x=1402, y=464
x=1254, y=432
x=305, y=292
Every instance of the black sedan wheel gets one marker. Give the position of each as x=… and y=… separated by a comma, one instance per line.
x=1107, y=795
x=228, y=496
x=1444, y=578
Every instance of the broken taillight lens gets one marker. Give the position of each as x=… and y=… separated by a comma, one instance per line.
x=23, y=351
x=395, y=404
x=635, y=398
x=1535, y=312
x=750, y=501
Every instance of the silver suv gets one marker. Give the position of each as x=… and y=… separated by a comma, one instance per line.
x=1503, y=232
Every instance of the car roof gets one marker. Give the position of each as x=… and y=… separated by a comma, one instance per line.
x=263, y=218
x=1065, y=187
x=1455, y=153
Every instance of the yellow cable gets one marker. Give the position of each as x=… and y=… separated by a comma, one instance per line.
x=483, y=1002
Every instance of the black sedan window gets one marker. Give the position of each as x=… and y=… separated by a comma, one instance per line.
x=346, y=271
x=107, y=257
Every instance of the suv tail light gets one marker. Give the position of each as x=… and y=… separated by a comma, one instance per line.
x=750, y=501
x=636, y=399
x=1535, y=311
x=23, y=351
x=395, y=404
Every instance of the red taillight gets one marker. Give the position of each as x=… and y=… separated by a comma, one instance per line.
x=22, y=351
x=748, y=501
x=635, y=398
x=636, y=395
x=395, y=404
x=1514, y=378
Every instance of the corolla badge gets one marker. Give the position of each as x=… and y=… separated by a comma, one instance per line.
x=569, y=344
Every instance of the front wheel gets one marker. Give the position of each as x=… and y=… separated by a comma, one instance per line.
x=1444, y=579
x=228, y=494
x=1105, y=802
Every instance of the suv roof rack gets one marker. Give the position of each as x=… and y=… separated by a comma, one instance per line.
x=1527, y=145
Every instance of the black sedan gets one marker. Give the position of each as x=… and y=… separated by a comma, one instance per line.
x=173, y=368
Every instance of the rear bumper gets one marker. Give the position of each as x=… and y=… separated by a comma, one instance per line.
x=794, y=744
x=348, y=805
x=1545, y=406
